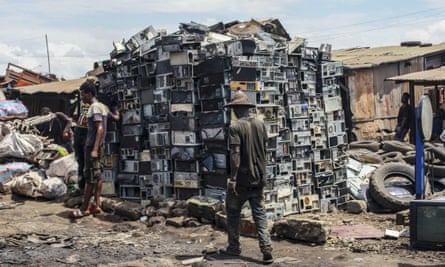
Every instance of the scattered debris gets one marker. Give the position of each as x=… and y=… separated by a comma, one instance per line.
x=192, y=260
x=4, y=205
x=356, y=206
x=356, y=231
x=292, y=227
x=392, y=234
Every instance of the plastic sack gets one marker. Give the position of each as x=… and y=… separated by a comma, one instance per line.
x=10, y=109
x=20, y=145
x=62, y=166
x=27, y=184
x=9, y=170
x=52, y=188
x=4, y=130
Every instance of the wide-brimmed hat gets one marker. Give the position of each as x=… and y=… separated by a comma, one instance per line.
x=240, y=99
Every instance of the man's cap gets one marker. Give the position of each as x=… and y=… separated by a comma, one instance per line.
x=45, y=111
x=240, y=99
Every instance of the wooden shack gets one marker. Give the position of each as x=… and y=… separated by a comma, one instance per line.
x=55, y=95
x=372, y=102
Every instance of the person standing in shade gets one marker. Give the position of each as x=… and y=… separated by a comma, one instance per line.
x=58, y=128
x=403, y=118
x=94, y=151
x=80, y=136
x=248, y=140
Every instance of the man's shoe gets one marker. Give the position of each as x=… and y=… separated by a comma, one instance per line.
x=230, y=251
x=267, y=258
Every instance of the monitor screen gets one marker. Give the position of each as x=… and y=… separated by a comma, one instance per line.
x=427, y=221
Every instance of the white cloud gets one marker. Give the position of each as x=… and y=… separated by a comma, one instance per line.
x=72, y=53
x=17, y=55
x=81, y=32
x=432, y=33
x=71, y=7
x=437, y=32
x=433, y=3
x=67, y=50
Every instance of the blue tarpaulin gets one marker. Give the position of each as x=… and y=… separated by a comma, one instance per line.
x=11, y=109
x=9, y=170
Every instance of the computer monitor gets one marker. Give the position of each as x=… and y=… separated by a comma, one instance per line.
x=427, y=224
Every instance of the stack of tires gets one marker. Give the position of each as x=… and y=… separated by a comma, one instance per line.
x=392, y=184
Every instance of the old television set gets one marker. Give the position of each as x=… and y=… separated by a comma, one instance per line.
x=427, y=224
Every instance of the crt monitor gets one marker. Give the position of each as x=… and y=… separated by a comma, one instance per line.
x=427, y=224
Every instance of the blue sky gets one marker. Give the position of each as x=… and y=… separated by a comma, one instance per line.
x=81, y=32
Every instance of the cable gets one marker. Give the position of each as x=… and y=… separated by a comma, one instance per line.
x=394, y=25
x=376, y=20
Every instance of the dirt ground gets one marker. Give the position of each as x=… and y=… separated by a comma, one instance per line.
x=40, y=233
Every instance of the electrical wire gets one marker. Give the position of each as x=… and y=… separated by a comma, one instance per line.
x=375, y=20
x=387, y=26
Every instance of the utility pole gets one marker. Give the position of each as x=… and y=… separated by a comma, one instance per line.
x=47, y=54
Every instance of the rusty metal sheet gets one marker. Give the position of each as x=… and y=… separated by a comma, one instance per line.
x=67, y=87
x=434, y=75
x=366, y=57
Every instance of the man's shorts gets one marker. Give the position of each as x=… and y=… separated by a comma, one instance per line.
x=93, y=167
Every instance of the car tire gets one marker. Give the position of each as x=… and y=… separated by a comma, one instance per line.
x=368, y=144
x=393, y=145
x=364, y=155
x=380, y=193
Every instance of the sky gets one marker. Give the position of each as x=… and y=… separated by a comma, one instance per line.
x=81, y=32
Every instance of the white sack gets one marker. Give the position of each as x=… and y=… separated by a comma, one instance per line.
x=20, y=145
x=53, y=187
x=27, y=184
x=62, y=166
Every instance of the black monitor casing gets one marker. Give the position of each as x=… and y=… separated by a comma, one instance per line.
x=427, y=224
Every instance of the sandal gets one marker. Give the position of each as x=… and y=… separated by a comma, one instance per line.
x=77, y=213
x=93, y=209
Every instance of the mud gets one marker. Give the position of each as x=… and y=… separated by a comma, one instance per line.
x=40, y=233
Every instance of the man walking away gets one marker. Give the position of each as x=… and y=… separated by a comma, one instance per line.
x=247, y=138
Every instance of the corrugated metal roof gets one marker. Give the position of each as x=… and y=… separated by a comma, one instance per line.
x=434, y=75
x=356, y=58
x=67, y=87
